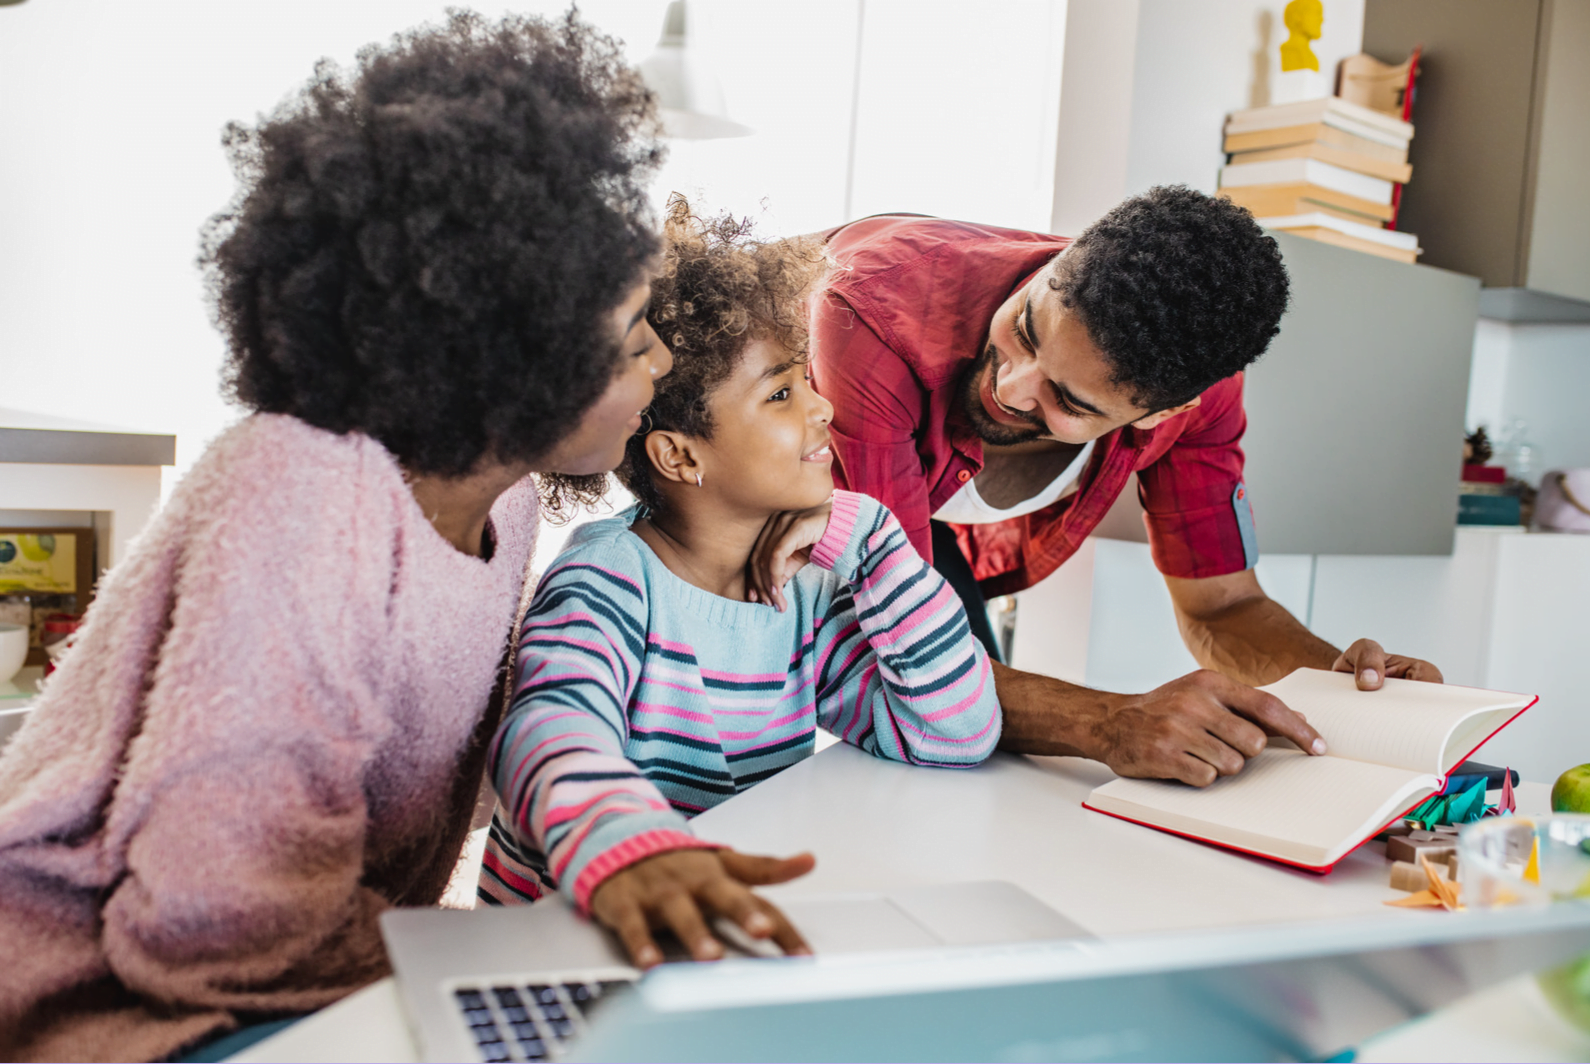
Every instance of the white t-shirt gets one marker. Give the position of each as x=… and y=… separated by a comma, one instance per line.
x=966, y=507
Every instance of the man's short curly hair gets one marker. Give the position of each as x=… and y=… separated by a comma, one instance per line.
x=427, y=248
x=719, y=289
x=1177, y=288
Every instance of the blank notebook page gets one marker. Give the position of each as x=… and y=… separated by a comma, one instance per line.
x=1283, y=794
x=1405, y=724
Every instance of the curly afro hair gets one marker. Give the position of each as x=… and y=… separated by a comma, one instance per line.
x=719, y=289
x=1177, y=288
x=427, y=248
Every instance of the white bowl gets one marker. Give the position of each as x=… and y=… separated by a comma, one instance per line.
x=13, y=650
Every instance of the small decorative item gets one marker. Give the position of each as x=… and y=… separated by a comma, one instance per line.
x=60, y=633
x=1305, y=20
x=13, y=650
x=1477, y=447
x=1442, y=893
x=1563, y=504
x=47, y=571
x=1382, y=87
x=39, y=561
x=1300, y=77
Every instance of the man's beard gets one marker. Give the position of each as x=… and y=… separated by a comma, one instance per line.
x=987, y=429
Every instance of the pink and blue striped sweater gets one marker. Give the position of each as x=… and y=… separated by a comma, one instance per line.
x=641, y=700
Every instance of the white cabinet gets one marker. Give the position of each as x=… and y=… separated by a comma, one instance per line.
x=59, y=472
x=1506, y=610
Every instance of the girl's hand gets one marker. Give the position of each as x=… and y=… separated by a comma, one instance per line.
x=783, y=548
x=682, y=889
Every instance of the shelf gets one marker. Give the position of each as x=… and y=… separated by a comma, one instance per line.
x=1529, y=306
x=42, y=440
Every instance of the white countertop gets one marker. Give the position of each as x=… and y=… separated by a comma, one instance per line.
x=877, y=825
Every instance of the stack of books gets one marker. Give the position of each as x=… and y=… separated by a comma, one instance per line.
x=1325, y=169
x=1486, y=497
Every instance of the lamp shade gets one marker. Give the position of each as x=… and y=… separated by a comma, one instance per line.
x=689, y=98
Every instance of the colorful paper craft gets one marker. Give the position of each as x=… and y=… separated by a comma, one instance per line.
x=1440, y=895
x=1508, y=805
x=1463, y=806
x=1431, y=811
x=1467, y=807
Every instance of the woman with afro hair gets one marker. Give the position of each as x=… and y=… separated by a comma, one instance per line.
x=433, y=282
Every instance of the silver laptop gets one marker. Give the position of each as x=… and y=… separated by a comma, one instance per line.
x=520, y=982
x=1280, y=992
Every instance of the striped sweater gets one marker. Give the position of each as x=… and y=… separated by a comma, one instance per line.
x=641, y=700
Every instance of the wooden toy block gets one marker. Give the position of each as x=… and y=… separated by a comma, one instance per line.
x=1408, y=876
x=1407, y=848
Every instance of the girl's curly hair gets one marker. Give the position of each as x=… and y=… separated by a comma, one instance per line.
x=719, y=289
x=427, y=248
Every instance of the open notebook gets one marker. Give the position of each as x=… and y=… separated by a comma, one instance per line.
x=1389, y=750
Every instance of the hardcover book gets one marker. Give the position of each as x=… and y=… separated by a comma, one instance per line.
x=1388, y=750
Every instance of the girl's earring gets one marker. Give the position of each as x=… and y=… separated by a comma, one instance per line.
x=698, y=480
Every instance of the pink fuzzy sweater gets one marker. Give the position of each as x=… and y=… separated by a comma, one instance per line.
x=271, y=730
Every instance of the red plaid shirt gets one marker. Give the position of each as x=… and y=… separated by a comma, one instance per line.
x=898, y=322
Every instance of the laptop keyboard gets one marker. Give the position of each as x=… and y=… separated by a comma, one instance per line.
x=527, y=1021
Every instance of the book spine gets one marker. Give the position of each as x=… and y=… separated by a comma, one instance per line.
x=1309, y=171
x=1352, y=243
x=1325, y=153
x=1238, y=124
x=1268, y=200
x=1488, y=510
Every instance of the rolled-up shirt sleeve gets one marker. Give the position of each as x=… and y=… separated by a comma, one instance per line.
x=1191, y=494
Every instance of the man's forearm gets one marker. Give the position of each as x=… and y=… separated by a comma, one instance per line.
x=1043, y=715
x=1255, y=641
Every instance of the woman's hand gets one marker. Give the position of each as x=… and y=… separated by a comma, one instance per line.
x=783, y=548
x=682, y=889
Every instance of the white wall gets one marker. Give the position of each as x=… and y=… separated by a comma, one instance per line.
x=111, y=114
x=1174, y=70
x=958, y=108
x=1540, y=373
x=110, y=121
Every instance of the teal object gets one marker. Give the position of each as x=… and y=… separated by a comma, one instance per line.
x=223, y=1046
x=1431, y=811
x=1467, y=807
x=1488, y=510
x=1464, y=808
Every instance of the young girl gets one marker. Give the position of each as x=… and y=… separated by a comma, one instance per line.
x=685, y=650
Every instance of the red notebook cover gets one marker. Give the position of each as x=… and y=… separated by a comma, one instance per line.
x=1318, y=869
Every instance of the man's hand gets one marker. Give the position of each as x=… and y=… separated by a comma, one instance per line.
x=782, y=549
x=1194, y=729
x=681, y=889
x=1370, y=665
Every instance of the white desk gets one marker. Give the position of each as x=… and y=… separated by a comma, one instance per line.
x=874, y=825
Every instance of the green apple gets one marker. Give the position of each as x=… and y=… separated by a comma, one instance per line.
x=1568, y=990
x=1571, y=792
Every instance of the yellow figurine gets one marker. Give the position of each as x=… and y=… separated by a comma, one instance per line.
x=1303, y=18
